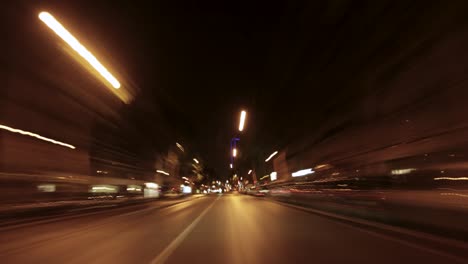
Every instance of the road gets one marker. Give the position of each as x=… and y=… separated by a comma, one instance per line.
x=213, y=229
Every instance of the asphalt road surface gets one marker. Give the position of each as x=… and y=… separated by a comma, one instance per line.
x=213, y=229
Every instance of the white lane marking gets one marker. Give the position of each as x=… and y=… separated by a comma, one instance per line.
x=166, y=253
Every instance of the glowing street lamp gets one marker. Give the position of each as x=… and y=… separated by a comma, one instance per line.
x=242, y=120
x=234, y=152
x=64, y=34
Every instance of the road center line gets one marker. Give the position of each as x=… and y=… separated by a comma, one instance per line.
x=164, y=255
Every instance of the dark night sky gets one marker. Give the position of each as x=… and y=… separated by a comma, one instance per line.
x=196, y=64
x=299, y=67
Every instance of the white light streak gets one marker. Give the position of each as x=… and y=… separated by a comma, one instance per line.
x=242, y=120
x=103, y=188
x=271, y=156
x=163, y=172
x=452, y=178
x=402, y=171
x=64, y=34
x=196, y=160
x=455, y=194
x=234, y=152
x=26, y=133
x=302, y=172
x=230, y=165
x=180, y=147
x=250, y=171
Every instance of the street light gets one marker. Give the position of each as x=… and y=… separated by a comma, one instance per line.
x=64, y=34
x=234, y=152
x=271, y=156
x=242, y=120
x=230, y=165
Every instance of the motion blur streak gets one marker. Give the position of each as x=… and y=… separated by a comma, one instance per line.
x=26, y=133
x=452, y=178
x=355, y=150
x=180, y=147
x=271, y=156
x=163, y=172
x=321, y=166
x=402, y=171
x=53, y=24
x=302, y=172
x=242, y=120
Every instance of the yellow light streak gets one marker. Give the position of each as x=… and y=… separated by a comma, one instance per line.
x=64, y=34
